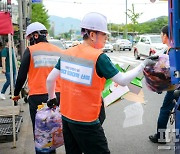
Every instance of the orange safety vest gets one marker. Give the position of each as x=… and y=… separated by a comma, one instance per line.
x=44, y=56
x=81, y=87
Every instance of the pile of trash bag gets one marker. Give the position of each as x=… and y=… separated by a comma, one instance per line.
x=157, y=76
x=48, y=129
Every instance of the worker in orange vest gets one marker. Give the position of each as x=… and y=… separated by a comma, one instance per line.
x=38, y=60
x=83, y=70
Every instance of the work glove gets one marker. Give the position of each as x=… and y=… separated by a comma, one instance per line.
x=15, y=98
x=154, y=57
x=52, y=103
x=148, y=62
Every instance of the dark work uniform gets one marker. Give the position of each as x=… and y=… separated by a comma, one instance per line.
x=33, y=100
x=165, y=110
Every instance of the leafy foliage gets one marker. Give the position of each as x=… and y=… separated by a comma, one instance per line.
x=153, y=26
x=133, y=16
x=40, y=14
x=142, y=28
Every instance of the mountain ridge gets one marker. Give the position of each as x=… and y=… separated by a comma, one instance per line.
x=62, y=25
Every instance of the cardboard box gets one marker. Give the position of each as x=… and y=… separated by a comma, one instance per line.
x=115, y=94
x=112, y=92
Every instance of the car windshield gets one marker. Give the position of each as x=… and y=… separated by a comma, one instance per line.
x=57, y=43
x=122, y=40
x=156, y=39
x=68, y=42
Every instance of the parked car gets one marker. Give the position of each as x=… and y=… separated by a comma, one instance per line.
x=57, y=43
x=75, y=43
x=122, y=44
x=108, y=47
x=149, y=45
x=68, y=44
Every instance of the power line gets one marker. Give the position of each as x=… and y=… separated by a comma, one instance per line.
x=92, y=3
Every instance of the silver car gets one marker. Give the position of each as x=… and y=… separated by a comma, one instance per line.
x=122, y=44
x=108, y=47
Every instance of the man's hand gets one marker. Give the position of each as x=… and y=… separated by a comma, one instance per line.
x=52, y=103
x=4, y=65
x=3, y=70
x=148, y=62
x=15, y=98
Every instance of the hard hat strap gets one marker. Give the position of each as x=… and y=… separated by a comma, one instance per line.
x=86, y=32
x=37, y=37
x=32, y=41
x=42, y=33
x=96, y=42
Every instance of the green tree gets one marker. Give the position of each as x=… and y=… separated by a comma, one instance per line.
x=40, y=14
x=153, y=26
x=51, y=32
x=133, y=16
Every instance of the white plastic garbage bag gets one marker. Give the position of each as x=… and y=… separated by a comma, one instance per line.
x=48, y=129
x=134, y=114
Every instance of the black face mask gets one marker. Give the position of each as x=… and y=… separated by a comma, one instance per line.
x=32, y=41
x=41, y=38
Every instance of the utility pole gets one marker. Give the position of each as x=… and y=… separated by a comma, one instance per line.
x=126, y=22
x=22, y=48
x=25, y=13
x=126, y=12
x=28, y=12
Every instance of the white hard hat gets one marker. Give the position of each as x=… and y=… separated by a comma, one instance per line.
x=36, y=26
x=95, y=21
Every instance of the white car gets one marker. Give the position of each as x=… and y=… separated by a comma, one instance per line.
x=122, y=44
x=57, y=43
x=108, y=47
x=68, y=44
x=149, y=45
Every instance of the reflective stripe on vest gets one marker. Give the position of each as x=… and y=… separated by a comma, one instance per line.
x=44, y=57
x=80, y=85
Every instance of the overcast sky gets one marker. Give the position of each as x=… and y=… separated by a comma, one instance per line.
x=114, y=10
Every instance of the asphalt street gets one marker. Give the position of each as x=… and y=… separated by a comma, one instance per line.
x=134, y=139
x=129, y=140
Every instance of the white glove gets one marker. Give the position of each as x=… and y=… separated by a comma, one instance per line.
x=148, y=62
